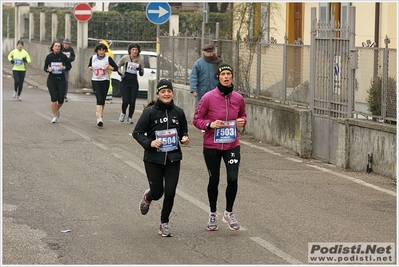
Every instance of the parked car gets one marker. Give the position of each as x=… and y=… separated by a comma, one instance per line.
x=150, y=71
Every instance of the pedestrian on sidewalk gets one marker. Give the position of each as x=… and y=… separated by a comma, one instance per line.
x=219, y=113
x=159, y=130
x=203, y=77
x=70, y=53
x=100, y=65
x=19, y=57
x=55, y=64
x=132, y=65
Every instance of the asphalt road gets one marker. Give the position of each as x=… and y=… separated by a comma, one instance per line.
x=71, y=194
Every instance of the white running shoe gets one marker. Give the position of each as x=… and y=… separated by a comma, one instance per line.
x=130, y=120
x=100, y=122
x=14, y=94
x=122, y=117
x=212, y=222
x=54, y=120
x=164, y=230
x=230, y=219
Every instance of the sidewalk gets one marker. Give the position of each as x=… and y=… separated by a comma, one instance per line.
x=37, y=78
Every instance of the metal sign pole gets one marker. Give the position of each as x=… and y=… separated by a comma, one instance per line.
x=83, y=54
x=158, y=13
x=158, y=53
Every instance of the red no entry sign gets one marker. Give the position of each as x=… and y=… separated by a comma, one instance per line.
x=82, y=12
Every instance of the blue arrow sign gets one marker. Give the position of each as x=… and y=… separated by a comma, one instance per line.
x=158, y=13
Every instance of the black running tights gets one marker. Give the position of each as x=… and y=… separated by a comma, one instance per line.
x=163, y=179
x=19, y=77
x=129, y=91
x=231, y=159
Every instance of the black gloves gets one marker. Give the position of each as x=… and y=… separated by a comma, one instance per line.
x=140, y=70
x=24, y=59
x=12, y=61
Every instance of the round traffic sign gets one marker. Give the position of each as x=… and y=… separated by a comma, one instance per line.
x=82, y=12
x=158, y=13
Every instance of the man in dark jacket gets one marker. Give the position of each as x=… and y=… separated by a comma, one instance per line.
x=68, y=51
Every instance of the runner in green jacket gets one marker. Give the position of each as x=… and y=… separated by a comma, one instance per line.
x=19, y=57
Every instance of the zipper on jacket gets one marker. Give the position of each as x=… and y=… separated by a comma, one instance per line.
x=227, y=113
x=167, y=128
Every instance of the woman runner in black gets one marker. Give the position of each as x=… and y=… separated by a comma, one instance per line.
x=160, y=129
x=55, y=64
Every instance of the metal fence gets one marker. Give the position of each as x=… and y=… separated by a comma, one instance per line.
x=377, y=72
x=270, y=71
x=281, y=72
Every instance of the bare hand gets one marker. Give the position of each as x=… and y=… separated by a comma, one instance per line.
x=217, y=124
x=240, y=122
x=185, y=140
x=156, y=143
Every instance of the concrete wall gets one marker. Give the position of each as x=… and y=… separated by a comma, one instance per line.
x=358, y=137
x=280, y=125
x=271, y=122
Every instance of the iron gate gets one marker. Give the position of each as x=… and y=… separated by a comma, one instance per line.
x=333, y=61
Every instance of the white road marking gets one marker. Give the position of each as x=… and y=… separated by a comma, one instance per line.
x=294, y=160
x=355, y=180
x=275, y=251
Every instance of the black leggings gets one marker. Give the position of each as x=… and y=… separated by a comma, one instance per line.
x=100, y=89
x=231, y=159
x=156, y=175
x=129, y=92
x=56, y=88
x=19, y=77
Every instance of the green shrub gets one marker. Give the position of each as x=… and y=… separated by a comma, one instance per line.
x=8, y=21
x=374, y=97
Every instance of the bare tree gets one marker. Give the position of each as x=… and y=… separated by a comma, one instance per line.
x=251, y=25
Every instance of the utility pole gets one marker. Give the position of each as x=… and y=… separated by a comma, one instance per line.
x=205, y=18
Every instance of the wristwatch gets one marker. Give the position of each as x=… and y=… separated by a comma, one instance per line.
x=208, y=125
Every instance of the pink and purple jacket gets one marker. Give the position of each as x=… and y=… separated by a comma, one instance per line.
x=214, y=106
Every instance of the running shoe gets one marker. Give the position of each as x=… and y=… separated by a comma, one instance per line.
x=212, y=222
x=230, y=219
x=145, y=204
x=54, y=120
x=65, y=99
x=100, y=122
x=14, y=94
x=130, y=120
x=164, y=230
x=19, y=98
x=122, y=117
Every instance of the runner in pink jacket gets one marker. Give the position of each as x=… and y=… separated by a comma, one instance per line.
x=219, y=113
